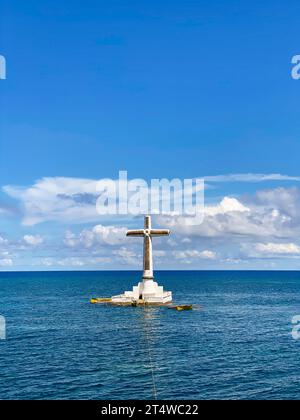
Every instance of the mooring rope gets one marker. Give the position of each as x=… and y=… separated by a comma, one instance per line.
x=154, y=388
x=151, y=362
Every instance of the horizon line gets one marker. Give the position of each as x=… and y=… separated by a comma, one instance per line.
x=157, y=271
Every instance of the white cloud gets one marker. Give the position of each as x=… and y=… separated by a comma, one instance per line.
x=254, y=178
x=285, y=201
x=266, y=225
x=59, y=199
x=73, y=200
x=269, y=214
x=6, y=262
x=111, y=235
x=227, y=205
x=127, y=256
x=159, y=253
x=6, y=256
x=278, y=249
x=33, y=240
x=3, y=241
x=234, y=261
x=194, y=253
x=88, y=238
x=47, y=262
x=74, y=262
x=208, y=255
x=71, y=262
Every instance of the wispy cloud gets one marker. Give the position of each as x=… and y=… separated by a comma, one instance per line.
x=271, y=250
x=252, y=178
x=264, y=226
x=278, y=249
x=72, y=262
x=66, y=200
x=8, y=210
x=33, y=240
x=73, y=200
x=98, y=235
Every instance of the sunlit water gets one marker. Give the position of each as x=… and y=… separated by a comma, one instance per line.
x=239, y=346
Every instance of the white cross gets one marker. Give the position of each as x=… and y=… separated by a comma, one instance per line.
x=148, y=233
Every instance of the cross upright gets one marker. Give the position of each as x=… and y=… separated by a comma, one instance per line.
x=148, y=233
x=148, y=291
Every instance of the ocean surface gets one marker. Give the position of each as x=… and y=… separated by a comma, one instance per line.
x=238, y=345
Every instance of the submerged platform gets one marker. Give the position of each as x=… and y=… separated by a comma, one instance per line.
x=141, y=302
x=147, y=291
x=132, y=302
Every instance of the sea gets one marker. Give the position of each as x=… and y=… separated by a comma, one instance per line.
x=236, y=344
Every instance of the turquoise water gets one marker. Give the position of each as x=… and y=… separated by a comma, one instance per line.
x=239, y=346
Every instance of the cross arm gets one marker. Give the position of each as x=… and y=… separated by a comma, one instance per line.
x=159, y=232
x=139, y=232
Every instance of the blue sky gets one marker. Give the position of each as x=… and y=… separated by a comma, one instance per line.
x=198, y=88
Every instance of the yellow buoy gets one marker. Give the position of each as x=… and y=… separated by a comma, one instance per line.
x=100, y=300
x=182, y=307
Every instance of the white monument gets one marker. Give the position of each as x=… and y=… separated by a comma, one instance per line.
x=147, y=291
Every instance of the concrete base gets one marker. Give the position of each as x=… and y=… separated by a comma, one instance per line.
x=148, y=291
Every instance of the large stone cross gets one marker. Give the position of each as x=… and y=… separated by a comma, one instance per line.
x=147, y=291
x=148, y=233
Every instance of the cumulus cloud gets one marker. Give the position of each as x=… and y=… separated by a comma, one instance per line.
x=73, y=262
x=73, y=200
x=281, y=249
x=227, y=205
x=6, y=257
x=12, y=251
x=283, y=200
x=88, y=238
x=6, y=262
x=194, y=254
x=3, y=241
x=263, y=225
x=271, y=250
x=123, y=256
x=33, y=240
x=127, y=256
x=267, y=214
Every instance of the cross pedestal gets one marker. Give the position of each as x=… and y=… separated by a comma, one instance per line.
x=147, y=291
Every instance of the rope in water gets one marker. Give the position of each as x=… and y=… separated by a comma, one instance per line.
x=151, y=362
x=154, y=388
